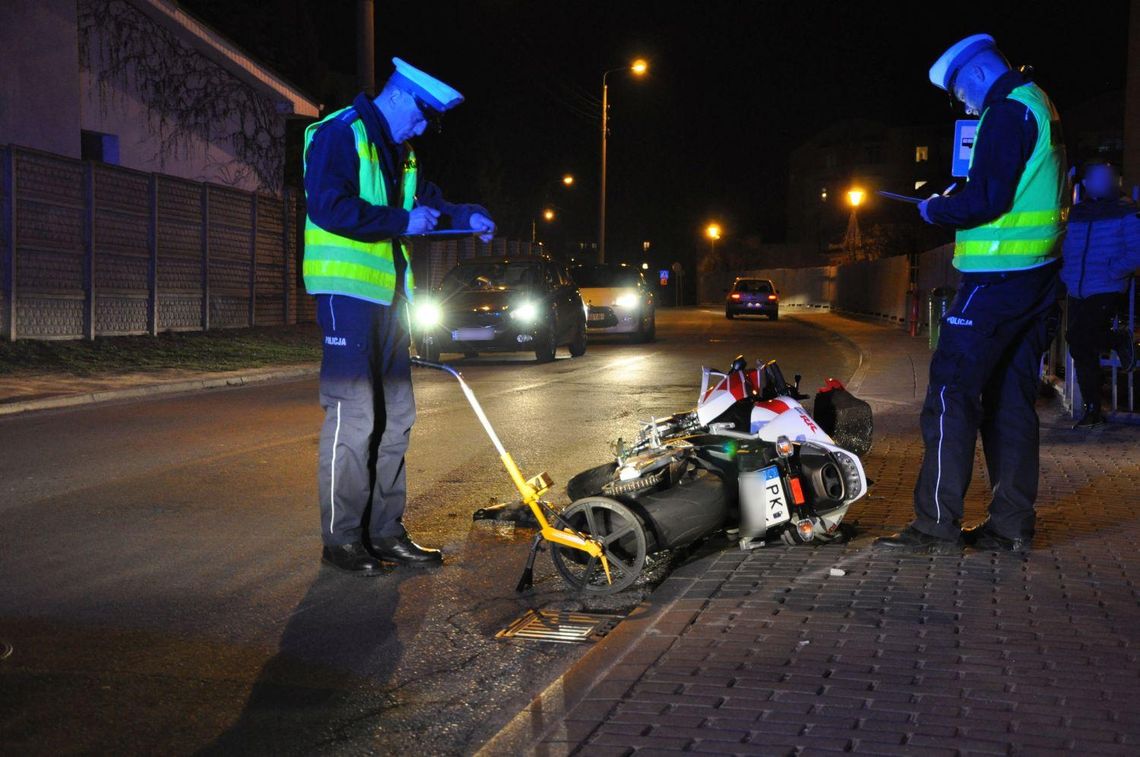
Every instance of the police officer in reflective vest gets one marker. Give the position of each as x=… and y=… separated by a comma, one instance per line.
x=1010, y=220
x=364, y=194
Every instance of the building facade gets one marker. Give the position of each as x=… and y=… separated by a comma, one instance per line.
x=144, y=85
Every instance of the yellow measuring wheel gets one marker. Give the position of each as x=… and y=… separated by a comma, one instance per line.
x=583, y=548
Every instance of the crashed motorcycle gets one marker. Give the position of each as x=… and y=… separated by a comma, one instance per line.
x=749, y=460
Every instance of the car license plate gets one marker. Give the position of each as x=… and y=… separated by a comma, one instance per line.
x=775, y=501
x=480, y=334
x=597, y=316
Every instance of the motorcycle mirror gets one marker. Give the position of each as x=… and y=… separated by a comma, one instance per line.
x=798, y=378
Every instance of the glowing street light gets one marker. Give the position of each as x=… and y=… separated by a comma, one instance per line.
x=568, y=180
x=639, y=68
x=853, y=239
x=713, y=233
x=548, y=215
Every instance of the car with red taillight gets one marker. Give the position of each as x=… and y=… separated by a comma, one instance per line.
x=749, y=296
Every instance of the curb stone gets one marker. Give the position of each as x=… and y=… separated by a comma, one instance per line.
x=153, y=390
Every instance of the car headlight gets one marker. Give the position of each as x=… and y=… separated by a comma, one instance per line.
x=628, y=301
x=427, y=314
x=527, y=312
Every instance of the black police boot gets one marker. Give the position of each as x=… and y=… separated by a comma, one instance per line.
x=910, y=539
x=982, y=537
x=402, y=550
x=352, y=558
x=1091, y=417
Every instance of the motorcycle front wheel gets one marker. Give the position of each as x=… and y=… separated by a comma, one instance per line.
x=623, y=542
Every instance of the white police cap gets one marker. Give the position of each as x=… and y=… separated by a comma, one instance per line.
x=437, y=95
x=957, y=56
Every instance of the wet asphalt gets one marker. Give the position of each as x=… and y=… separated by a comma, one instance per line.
x=159, y=576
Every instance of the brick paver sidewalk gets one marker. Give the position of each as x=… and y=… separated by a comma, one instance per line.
x=767, y=653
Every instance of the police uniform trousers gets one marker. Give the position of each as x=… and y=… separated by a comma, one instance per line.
x=1089, y=334
x=366, y=393
x=984, y=377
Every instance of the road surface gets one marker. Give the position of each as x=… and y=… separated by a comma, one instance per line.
x=159, y=574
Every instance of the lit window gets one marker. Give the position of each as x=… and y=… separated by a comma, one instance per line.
x=919, y=184
x=921, y=154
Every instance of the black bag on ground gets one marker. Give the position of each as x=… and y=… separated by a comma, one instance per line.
x=845, y=417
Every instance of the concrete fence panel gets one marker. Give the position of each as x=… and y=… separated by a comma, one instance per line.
x=90, y=249
x=121, y=248
x=182, y=254
x=50, y=254
x=877, y=288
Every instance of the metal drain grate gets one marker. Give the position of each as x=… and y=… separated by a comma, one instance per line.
x=560, y=627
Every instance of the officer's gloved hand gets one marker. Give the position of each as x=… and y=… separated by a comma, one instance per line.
x=480, y=222
x=421, y=220
x=924, y=205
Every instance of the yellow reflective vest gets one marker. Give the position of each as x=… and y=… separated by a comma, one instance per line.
x=1030, y=233
x=336, y=264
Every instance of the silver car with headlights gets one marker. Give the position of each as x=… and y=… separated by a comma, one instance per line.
x=618, y=300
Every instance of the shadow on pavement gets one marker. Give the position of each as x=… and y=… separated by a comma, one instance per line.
x=324, y=685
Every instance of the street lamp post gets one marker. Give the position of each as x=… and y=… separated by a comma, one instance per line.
x=548, y=210
x=548, y=215
x=638, y=68
x=853, y=239
x=713, y=233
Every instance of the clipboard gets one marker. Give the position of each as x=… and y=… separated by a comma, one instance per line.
x=448, y=233
x=900, y=198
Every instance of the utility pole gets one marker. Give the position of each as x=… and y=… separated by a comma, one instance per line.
x=366, y=46
x=1132, y=100
x=602, y=203
x=639, y=67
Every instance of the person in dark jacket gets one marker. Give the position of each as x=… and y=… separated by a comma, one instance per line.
x=1101, y=253
x=364, y=194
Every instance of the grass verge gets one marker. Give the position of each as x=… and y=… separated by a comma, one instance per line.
x=219, y=350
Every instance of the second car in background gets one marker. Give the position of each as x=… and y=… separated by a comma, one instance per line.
x=619, y=300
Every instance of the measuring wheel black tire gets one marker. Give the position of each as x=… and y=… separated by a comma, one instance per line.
x=623, y=541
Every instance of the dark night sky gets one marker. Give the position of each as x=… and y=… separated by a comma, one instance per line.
x=733, y=87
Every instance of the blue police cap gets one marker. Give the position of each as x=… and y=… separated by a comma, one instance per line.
x=943, y=70
x=436, y=94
